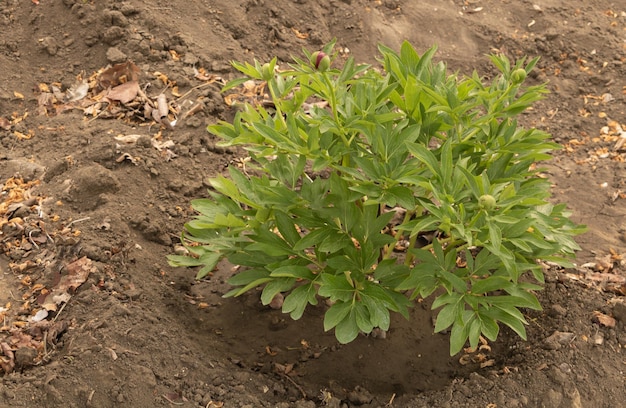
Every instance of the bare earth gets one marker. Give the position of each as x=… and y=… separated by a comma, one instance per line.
x=88, y=212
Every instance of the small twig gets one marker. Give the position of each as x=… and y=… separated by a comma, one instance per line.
x=78, y=220
x=59, y=312
x=98, y=115
x=90, y=397
x=390, y=403
x=295, y=384
x=30, y=238
x=45, y=344
x=193, y=89
x=170, y=401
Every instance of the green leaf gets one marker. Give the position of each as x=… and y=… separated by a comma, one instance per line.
x=489, y=327
x=312, y=239
x=247, y=276
x=298, y=299
x=293, y=271
x=275, y=287
x=182, y=260
x=490, y=284
x=425, y=156
x=336, y=314
x=286, y=227
x=509, y=316
x=347, y=329
x=459, y=333
x=446, y=317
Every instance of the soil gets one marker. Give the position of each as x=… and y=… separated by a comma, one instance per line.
x=93, y=316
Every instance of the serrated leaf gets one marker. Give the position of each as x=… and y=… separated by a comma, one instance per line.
x=335, y=287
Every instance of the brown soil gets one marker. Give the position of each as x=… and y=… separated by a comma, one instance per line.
x=94, y=217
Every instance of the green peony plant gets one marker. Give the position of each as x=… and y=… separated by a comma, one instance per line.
x=347, y=165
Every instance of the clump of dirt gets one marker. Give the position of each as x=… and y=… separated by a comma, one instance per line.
x=95, y=185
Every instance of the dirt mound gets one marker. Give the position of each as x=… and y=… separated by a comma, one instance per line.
x=94, y=194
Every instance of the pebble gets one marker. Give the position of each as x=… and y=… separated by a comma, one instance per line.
x=25, y=356
x=50, y=44
x=558, y=339
x=558, y=311
x=115, y=56
x=360, y=396
x=113, y=35
x=551, y=399
x=619, y=312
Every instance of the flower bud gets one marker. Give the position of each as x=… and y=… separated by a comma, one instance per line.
x=487, y=202
x=518, y=76
x=267, y=72
x=320, y=61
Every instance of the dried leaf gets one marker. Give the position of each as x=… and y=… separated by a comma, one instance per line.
x=203, y=76
x=124, y=93
x=118, y=74
x=18, y=95
x=77, y=91
x=128, y=139
x=45, y=100
x=162, y=77
x=7, y=363
x=603, y=319
x=302, y=36
x=39, y=316
x=77, y=273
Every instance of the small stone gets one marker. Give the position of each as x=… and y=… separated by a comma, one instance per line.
x=113, y=35
x=565, y=368
x=190, y=59
x=598, y=339
x=558, y=339
x=558, y=311
x=25, y=356
x=360, y=396
x=277, y=301
x=619, y=312
x=551, y=398
x=133, y=294
x=116, y=18
x=50, y=44
x=378, y=333
x=115, y=56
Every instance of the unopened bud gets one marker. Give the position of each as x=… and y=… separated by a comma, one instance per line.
x=267, y=72
x=320, y=61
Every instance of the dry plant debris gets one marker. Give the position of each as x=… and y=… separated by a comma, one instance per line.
x=30, y=325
